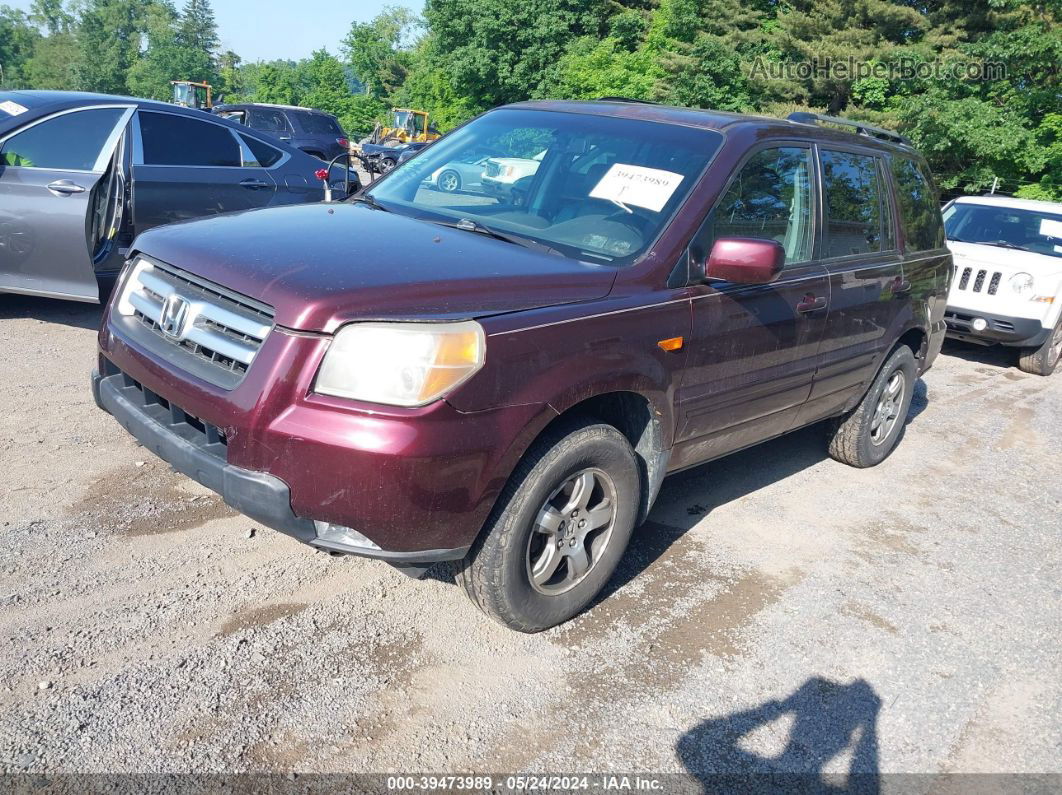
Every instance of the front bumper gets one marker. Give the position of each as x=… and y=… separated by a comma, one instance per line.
x=1001, y=329
x=198, y=450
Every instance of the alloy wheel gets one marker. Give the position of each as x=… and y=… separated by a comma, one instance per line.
x=887, y=413
x=571, y=532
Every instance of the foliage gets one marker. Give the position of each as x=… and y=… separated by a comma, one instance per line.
x=380, y=51
x=465, y=56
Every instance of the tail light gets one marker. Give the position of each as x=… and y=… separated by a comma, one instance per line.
x=343, y=142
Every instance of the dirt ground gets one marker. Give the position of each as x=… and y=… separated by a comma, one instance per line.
x=779, y=611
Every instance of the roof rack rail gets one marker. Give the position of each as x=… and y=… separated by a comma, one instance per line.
x=861, y=128
x=627, y=99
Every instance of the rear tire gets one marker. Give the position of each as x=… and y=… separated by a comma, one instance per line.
x=866, y=435
x=387, y=165
x=558, y=530
x=1043, y=360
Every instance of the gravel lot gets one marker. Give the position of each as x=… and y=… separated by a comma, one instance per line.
x=780, y=611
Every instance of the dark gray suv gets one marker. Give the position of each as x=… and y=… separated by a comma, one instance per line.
x=81, y=175
x=313, y=131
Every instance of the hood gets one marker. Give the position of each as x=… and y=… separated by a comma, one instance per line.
x=321, y=265
x=977, y=255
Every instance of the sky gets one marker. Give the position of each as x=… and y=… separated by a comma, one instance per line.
x=268, y=29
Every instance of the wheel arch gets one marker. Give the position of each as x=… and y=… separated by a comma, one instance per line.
x=634, y=415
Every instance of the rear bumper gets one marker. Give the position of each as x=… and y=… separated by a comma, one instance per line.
x=1001, y=329
x=198, y=450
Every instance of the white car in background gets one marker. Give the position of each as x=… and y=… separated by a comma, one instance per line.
x=500, y=174
x=1007, y=284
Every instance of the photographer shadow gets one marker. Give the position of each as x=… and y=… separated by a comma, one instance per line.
x=829, y=720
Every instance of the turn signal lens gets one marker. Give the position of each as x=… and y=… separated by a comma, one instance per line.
x=401, y=364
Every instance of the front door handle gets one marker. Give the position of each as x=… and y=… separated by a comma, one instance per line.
x=65, y=187
x=811, y=303
x=254, y=184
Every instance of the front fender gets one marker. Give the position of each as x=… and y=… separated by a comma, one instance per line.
x=565, y=355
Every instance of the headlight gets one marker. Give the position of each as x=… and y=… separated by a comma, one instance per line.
x=401, y=364
x=1021, y=283
x=129, y=284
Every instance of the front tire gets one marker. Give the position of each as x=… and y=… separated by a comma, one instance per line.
x=1043, y=360
x=387, y=165
x=866, y=435
x=449, y=181
x=559, y=529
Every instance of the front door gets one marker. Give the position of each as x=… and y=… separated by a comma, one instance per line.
x=752, y=356
x=55, y=184
x=185, y=168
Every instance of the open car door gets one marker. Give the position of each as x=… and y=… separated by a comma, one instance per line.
x=58, y=180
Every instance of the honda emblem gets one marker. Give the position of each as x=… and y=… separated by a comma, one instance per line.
x=174, y=316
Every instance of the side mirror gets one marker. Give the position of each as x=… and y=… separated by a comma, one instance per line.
x=745, y=260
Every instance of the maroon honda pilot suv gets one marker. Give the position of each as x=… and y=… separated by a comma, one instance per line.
x=504, y=380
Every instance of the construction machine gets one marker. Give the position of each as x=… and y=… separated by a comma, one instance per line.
x=406, y=126
x=190, y=94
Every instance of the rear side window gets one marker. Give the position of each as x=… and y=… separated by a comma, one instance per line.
x=270, y=121
x=171, y=140
x=770, y=198
x=318, y=124
x=70, y=142
x=923, y=227
x=264, y=154
x=853, y=190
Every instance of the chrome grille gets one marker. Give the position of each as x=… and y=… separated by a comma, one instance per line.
x=203, y=320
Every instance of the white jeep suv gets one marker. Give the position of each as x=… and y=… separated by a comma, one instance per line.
x=1007, y=285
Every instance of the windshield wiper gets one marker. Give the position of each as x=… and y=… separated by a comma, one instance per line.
x=468, y=225
x=1001, y=244
x=369, y=201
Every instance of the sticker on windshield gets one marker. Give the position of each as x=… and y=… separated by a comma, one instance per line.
x=643, y=187
x=1050, y=227
x=12, y=108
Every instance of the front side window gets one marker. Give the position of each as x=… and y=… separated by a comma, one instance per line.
x=919, y=206
x=68, y=142
x=172, y=140
x=595, y=188
x=770, y=199
x=853, y=191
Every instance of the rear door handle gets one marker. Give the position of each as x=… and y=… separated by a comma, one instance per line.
x=900, y=286
x=810, y=304
x=254, y=184
x=65, y=187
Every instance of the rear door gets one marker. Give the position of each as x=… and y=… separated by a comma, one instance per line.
x=867, y=283
x=753, y=350
x=51, y=175
x=186, y=167
x=271, y=122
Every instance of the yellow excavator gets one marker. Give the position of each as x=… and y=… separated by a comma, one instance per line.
x=189, y=94
x=406, y=125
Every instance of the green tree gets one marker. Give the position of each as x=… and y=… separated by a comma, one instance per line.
x=230, y=76
x=499, y=51
x=169, y=57
x=380, y=51
x=109, y=35
x=18, y=37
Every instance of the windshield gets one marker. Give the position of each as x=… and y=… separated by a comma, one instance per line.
x=594, y=188
x=1028, y=230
